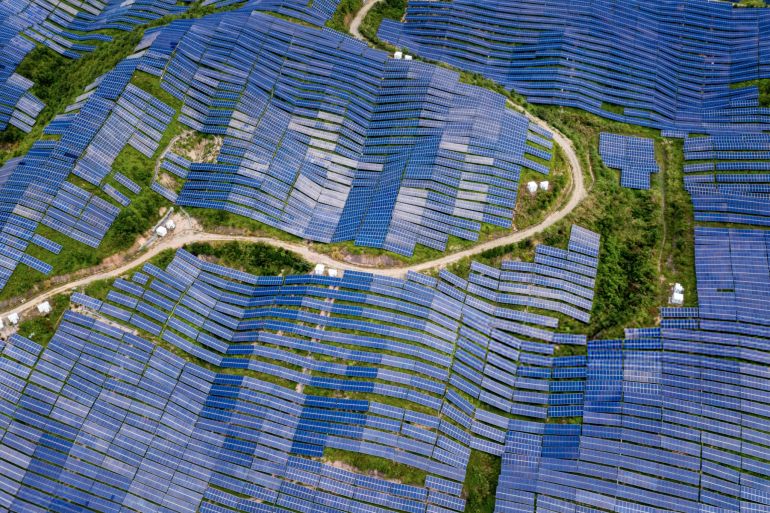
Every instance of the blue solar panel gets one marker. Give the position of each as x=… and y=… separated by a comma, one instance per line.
x=633, y=156
x=631, y=61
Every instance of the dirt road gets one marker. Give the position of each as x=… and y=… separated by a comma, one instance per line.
x=355, y=23
x=183, y=236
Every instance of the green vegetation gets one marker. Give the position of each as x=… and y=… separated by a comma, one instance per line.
x=346, y=9
x=530, y=210
x=377, y=466
x=260, y=259
x=751, y=3
x=131, y=222
x=481, y=482
x=647, y=241
x=611, y=107
x=41, y=328
x=391, y=9
x=763, y=84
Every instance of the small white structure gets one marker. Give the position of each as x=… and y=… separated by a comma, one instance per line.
x=161, y=231
x=1, y=324
x=532, y=187
x=44, y=308
x=677, y=295
x=170, y=225
x=319, y=269
x=13, y=318
x=332, y=272
x=407, y=57
x=545, y=185
x=398, y=55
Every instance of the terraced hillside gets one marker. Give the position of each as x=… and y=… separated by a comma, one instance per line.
x=270, y=374
x=667, y=64
x=202, y=382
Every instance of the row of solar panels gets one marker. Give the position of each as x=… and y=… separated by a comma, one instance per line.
x=557, y=54
x=633, y=156
x=330, y=161
x=675, y=417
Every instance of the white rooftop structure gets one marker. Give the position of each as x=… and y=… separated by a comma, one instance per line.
x=161, y=231
x=332, y=272
x=13, y=318
x=532, y=187
x=398, y=55
x=44, y=307
x=545, y=185
x=170, y=225
x=677, y=297
x=319, y=269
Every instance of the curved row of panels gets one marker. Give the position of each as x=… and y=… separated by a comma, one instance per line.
x=415, y=371
x=322, y=137
x=332, y=141
x=668, y=64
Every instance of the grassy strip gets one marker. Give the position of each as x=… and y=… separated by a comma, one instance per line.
x=481, y=482
x=259, y=259
x=377, y=466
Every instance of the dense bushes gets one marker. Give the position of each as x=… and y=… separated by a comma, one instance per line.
x=261, y=259
x=392, y=9
x=345, y=9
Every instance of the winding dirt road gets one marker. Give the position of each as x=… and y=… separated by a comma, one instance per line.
x=182, y=237
x=186, y=236
x=355, y=23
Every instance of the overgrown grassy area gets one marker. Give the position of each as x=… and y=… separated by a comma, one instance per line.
x=647, y=236
x=260, y=259
x=763, y=84
x=346, y=9
x=41, y=328
x=392, y=9
x=377, y=466
x=481, y=482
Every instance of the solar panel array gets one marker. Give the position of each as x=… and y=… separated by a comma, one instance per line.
x=332, y=141
x=676, y=418
x=70, y=29
x=18, y=107
x=728, y=178
x=35, y=190
x=317, y=12
x=103, y=420
x=665, y=64
x=633, y=156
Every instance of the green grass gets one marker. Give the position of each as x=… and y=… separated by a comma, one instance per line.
x=611, y=107
x=763, y=84
x=346, y=9
x=481, y=482
x=41, y=328
x=378, y=466
x=391, y=9
x=259, y=259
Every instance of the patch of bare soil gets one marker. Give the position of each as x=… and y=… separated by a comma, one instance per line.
x=370, y=260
